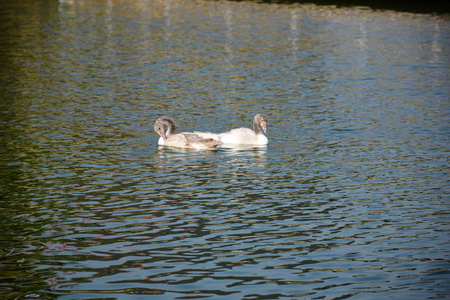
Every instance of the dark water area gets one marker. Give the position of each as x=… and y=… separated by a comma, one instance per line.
x=349, y=200
x=414, y=6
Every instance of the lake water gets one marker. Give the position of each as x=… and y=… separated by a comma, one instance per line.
x=349, y=200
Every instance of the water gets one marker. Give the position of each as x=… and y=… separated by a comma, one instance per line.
x=348, y=200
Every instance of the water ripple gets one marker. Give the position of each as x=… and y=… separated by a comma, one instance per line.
x=348, y=200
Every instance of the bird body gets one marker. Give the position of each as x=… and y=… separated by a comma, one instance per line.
x=242, y=136
x=181, y=140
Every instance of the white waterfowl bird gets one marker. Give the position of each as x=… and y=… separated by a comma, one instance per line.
x=242, y=136
x=181, y=140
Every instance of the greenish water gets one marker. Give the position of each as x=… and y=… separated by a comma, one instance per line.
x=348, y=200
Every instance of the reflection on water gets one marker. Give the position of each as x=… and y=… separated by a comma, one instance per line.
x=348, y=200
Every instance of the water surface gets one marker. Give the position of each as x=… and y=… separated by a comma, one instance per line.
x=348, y=200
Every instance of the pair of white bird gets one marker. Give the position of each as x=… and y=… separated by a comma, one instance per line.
x=208, y=140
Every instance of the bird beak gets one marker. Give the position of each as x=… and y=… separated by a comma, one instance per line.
x=163, y=135
x=264, y=128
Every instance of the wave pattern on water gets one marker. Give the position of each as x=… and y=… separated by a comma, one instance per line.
x=202, y=224
x=348, y=200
